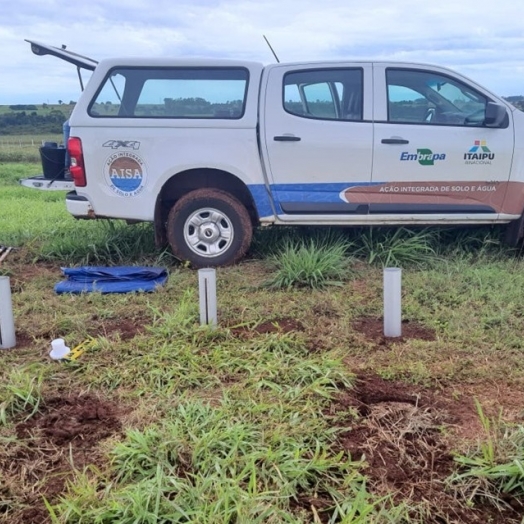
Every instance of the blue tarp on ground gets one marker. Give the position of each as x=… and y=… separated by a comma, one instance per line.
x=123, y=279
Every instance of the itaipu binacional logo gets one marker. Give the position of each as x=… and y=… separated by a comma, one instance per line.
x=125, y=173
x=474, y=156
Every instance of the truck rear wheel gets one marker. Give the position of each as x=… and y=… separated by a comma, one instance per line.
x=209, y=227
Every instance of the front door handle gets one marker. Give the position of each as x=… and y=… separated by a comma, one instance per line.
x=286, y=138
x=394, y=141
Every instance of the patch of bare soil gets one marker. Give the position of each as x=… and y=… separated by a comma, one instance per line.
x=61, y=437
x=123, y=328
x=29, y=272
x=396, y=429
x=373, y=329
x=23, y=340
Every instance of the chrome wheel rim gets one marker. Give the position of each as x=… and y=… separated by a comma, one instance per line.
x=208, y=232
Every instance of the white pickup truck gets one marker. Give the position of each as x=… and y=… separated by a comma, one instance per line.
x=209, y=149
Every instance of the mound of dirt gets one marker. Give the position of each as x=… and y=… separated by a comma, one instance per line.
x=396, y=429
x=81, y=421
x=62, y=437
x=373, y=329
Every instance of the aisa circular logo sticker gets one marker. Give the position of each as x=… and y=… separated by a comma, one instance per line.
x=125, y=173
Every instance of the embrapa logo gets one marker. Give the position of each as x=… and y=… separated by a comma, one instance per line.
x=425, y=157
x=125, y=173
x=473, y=156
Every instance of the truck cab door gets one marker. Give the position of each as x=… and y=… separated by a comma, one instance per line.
x=435, y=152
x=317, y=137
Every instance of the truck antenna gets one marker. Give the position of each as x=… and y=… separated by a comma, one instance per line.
x=274, y=54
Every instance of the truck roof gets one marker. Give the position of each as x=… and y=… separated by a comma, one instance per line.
x=224, y=62
x=127, y=61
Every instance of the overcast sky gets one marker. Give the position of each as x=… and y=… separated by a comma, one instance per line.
x=483, y=40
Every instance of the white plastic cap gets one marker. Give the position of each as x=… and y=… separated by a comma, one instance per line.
x=58, y=349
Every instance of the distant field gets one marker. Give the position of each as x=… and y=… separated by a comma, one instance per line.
x=24, y=148
x=41, y=109
x=25, y=119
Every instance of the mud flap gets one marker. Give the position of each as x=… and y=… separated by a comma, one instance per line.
x=514, y=232
x=160, y=225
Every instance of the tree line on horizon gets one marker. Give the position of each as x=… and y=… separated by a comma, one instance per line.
x=44, y=118
x=30, y=122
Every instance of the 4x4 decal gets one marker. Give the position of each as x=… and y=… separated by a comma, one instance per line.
x=128, y=144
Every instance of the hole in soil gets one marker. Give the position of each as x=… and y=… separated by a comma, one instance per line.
x=83, y=421
x=61, y=437
x=373, y=328
x=396, y=429
x=23, y=340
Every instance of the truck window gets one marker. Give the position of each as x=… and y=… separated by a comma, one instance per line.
x=109, y=98
x=211, y=93
x=327, y=94
x=424, y=97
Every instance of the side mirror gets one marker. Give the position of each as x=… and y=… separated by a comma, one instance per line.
x=495, y=115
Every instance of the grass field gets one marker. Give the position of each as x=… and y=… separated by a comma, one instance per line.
x=41, y=109
x=295, y=409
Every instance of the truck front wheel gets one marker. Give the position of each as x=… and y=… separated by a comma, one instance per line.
x=209, y=227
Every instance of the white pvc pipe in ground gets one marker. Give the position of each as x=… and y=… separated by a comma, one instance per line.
x=392, y=302
x=7, y=323
x=207, y=289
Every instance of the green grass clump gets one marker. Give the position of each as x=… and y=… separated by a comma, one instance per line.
x=472, y=242
x=399, y=247
x=313, y=263
x=205, y=464
x=408, y=247
x=494, y=471
x=178, y=355
x=20, y=392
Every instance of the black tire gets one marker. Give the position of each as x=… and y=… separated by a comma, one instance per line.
x=209, y=228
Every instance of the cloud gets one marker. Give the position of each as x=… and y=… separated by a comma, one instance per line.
x=481, y=41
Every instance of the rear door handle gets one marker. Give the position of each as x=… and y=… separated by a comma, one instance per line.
x=287, y=138
x=395, y=141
